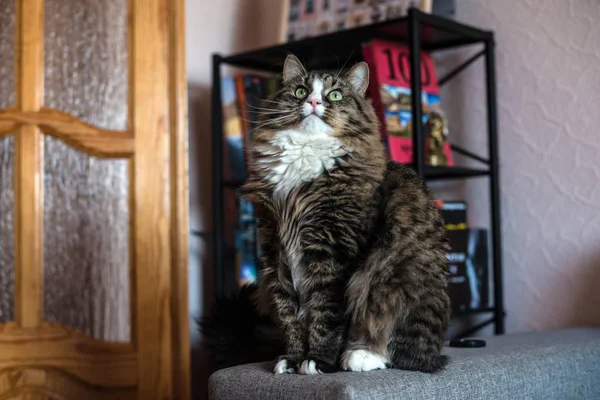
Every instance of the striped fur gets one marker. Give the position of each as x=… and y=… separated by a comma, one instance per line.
x=354, y=252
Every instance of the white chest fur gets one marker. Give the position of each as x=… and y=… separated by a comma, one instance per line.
x=300, y=155
x=293, y=157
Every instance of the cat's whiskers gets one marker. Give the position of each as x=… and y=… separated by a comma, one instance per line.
x=272, y=101
x=280, y=105
x=265, y=109
x=270, y=119
x=285, y=118
x=271, y=112
x=285, y=115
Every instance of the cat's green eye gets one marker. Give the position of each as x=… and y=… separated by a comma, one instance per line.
x=301, y=93
x=335, y=95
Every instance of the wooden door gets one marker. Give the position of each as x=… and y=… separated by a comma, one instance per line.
x=93, y=215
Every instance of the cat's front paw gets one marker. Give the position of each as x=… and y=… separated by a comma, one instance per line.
x=316, y=366
x=285, y=365
x=363, y=360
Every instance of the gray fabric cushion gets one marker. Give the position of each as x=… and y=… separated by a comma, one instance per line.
x=561, y=364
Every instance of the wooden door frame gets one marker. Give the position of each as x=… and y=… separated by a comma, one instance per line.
x=178, y=107
x=157, y=361
x=163, y=365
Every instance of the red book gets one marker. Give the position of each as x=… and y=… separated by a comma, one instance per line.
x=244, y=115
x=251, y=90
x=390, y=93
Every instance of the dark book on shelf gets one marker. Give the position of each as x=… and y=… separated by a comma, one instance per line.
x=246, y=270
x=245, y=104
x=239, y=228
x=469, y=273
x=234, y=168
x=250, y=90
x=454, y=214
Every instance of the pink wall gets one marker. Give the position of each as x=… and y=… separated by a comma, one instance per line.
x=548, y=80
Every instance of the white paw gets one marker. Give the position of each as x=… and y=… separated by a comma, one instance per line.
x=282, y=368
x=362, y=360
x=309, y=367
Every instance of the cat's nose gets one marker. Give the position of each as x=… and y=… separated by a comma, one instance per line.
x=314, y=102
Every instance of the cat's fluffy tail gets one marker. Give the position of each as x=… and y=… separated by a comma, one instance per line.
x=235, y=332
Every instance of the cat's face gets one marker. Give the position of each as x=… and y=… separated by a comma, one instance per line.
x=320, y=102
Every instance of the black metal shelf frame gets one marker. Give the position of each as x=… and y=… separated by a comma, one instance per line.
x=420, y=31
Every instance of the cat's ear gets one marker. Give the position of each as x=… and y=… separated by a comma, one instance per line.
x=358, y=76
x=292, y=68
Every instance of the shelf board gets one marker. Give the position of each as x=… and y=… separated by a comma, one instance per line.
x=431, y=174
x=233, y=184
x=332, y=50
x=476, y=311
x=439, y=173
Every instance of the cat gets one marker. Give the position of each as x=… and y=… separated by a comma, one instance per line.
x=354, y=268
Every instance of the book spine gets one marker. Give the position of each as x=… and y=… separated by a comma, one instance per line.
x=243, y=112
x=255, y=92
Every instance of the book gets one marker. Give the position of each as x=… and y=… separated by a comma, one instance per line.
x=251, y=90
x=454, y=214
x=468, y=282
x=246, y=244
x=234, y=168
x=233, y=151
x=390, y=92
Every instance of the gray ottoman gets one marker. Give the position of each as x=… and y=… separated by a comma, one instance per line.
x=560, y=364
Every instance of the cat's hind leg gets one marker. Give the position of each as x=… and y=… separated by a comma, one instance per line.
x=417, y=340
x=390, y=329
x=373, y=311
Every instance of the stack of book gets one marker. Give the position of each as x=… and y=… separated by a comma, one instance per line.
x=468, y=257
x=241, y=96
x=390, y=92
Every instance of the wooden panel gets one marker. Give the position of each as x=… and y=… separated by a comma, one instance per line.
x=52, y=345
x=6, y=128
x=33, y=352
x=179, y=199
x=86, y=242
x=7, y=52
x=7, y=99
x=7, y=232
x=50, y=384
x=82, y=136
x=28, y=217
x=152, y=198
x=86, y=213
x=28, y=171
x=86, y=59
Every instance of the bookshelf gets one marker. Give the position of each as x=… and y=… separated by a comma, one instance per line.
x=420, y=31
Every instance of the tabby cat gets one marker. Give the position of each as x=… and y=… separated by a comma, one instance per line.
x=354, y=266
